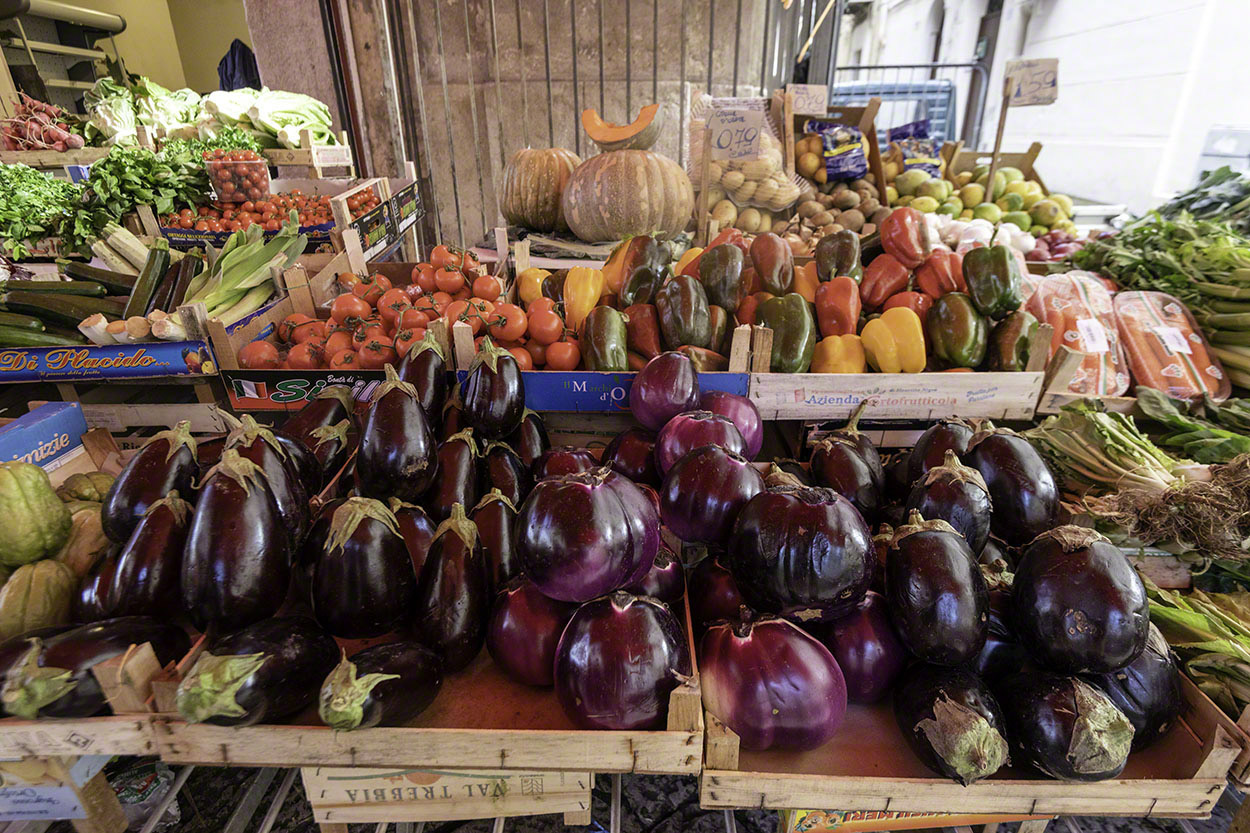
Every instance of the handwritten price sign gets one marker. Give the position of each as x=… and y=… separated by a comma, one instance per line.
x=809, y=99
x=1033, y=81
x=736, y=133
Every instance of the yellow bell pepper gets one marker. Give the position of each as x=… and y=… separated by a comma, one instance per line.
x=613, y=270
x=684, y=261
x=583, y=287
x=839, y=354
x=530, y=284
x=806, y=281
x=894, y=343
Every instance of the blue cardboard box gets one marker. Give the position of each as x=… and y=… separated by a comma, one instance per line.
x=45, y=435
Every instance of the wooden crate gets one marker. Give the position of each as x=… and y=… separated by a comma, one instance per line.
x=53, y=158
x=1059, y=372
x=958, y=160
x=864, y=118
x=314, y=157
x=869, y=766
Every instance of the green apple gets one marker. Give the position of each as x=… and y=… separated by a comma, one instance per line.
x=1046, y=213
x=950, y=209
x=972, y=194
x=1011, y=174
x=1038, y=231
x=926, y=204
x=1020, y=219
x=935, y=188
x=1010, y=202
x=988, y=211
x=908, y=182
x=955, y=201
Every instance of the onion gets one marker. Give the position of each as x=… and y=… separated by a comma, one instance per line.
x=524, y=629
x=665, y=387
x=743, y=413
x=692, y=429
x=704, y=492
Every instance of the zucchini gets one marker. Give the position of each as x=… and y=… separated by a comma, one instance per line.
x=153, y=270
x=22, y=337
x=56, y=309
x=12, y=319
x=87, y=289
x=187, y=270
x=160, y=298
x=117, y=283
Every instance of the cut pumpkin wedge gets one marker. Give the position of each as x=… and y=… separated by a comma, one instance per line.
x=640, y=134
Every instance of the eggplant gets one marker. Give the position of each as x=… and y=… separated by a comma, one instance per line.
x=332, y=445
x=952, y=722
x=704, y=491
x=1064, y=727
x=713, y=593
x=743, y=413
x=417, y=530
x=145, y=578
x=796, y=470
x=236, y=568
x=15, y=648
x=258, y=444
x=307, y=466
x=695, y=429
x=563, y=459
x=996, y=554
x=208, y=452
x=452, y=602
x=632, y=453
x=424, y=367
x=397, y=455
x=494, y=393
x=665, y=387
x=331, y=405
x=524, y=629
x=867, y=649
x=1003, y=654
x=897, y=486
x=1078, y=604
x=777, y=476
x=936, y=593
x=1022, y=488
x=502, y=468
x=167, y=462
x=457, y=476
x=930, y=449
x=363, y=584
x=1147, y=690
x=666, y=580
x=453, y=415
x=263, y=673
x=494, y=517
x=957, y=494
x=385, y=685
x=847, y=462
x=529, y=440
x=54, y=679
x=94, y=598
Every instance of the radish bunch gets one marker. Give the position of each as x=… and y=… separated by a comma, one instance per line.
x=37, y=126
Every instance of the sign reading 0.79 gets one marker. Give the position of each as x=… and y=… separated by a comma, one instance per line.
x=736, y=133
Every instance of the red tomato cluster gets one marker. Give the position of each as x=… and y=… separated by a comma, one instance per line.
x=237, y=175
x=362, y=203
x=314, y=210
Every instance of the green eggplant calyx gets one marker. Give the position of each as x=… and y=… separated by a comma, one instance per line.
x=1071, y=537
x=429, y=342
x=177, y=437
x=494, y=496
x=917, y=523
x=488, y=354
x=459, y=525
x=349, y=515
x=1101, y=734
x=964, y=740
x=953, y=471
x=393, y=382
x=209, y=689
x=343, y=695
x=340, y=392
x=986, y=430
x=31, y=686
x=238, y=468
x=247, y=431
x=465, y=435
x=328, y=433
x=177, y=507
x=997, y=576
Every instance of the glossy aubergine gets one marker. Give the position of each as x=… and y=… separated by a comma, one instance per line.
x=666, y=580
x=457, y=476
x=453, y=415
x=1003, y=654
x=452, y=601
x=502, y=468
x=494, y=516
x=745, y=416
x=803, y=553
x=307, y=466
x=796, y=470
x=1147, y=690
x=167, y=462
x=713, y=594
x=236, y=566
x=957, y=494
x=996, y=552
x=847, y=462
x=777, y=476
x=397, y=456
x=524, y=629
x=383, y=685
x=493, y=393
x=331, y=405
x=417, y=530
x=424, y=367
x=632, y=453
x=54, y=679
x=256, y=443
x=15, y=648
x=529, y=440
x=704, y=491
x=563, y=459
x=332, y=445
x=694, y=429
x=1022, y=489
x=94, y=598
x=667, y=386
x=867, y=649
x=951, y=721
x=264, y=673
x=931, y=447
x=363, y=582
x=936, y=593
x=146, y=575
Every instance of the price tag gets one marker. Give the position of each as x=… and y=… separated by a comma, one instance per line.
x=1093, y=335
x=809, y=99
x=1032, y=81
x=1174, y=340
x=736, y=133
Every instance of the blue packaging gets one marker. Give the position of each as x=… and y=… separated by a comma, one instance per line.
x=44, y=435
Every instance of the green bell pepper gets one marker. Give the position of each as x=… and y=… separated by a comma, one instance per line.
x=1010, y=341
x=682, y=307
x=993, y=280
x=602, y=340
x=720, y=272
x=957, y=332
x=718, y=323
x=644, y=267
x=794, y=332
x=839, y=254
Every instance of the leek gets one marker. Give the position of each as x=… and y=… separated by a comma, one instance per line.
x=248, y=304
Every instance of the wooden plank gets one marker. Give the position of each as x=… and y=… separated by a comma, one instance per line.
x=761, y=350
x=103, y=809
x=127, y=679
x=53, y=158
x=47, y=737
x=720, y=745
x=740, y=349
x=462, y=341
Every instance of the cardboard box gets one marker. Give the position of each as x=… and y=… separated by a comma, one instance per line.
x=54, y=788
x=46, y=436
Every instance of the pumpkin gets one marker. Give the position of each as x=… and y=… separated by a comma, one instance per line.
x=640, y=134
x=628, y=192
x=36, y=596
x=93, y=485
x=35, y=521
x=533, y=187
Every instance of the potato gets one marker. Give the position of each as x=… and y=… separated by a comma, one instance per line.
x=715, y=193
x=725, y=213
x=797, y=245
x=745, y=191
x=868, y=206
x=748, y=219
x=714, y=171
x=821, y=176
x=779, y=227
x=805, y=233
x=765, y=190
x=732, y=180
x=839, y=187
x=824, y=218
x=868, y=228
x=878, y=216
x=846, y=199
x=872, y=180
x=807, y=164
x=826, y=200
x=852, y=218
x=810, y=207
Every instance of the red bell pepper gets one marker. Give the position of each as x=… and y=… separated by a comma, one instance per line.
x=903, y=234
x=733, y=237
x=883, y=277
x=941, y=272
x=917, y=302
x=838, y=306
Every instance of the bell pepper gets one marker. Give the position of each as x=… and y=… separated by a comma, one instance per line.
x=839, y=254
x=688, y=263
x=704, y=360
x=751, y=280
x=732, y=236
x=529, y=284
x=839, y=354
x=613, y=268
x=884, y=276
x=602, y=340
x=838, y=306
x=642, y=271
x=917, y=302
x=806, y=282
x=718, y=328
x=746, y=312
x=635, y=361
x=941, y=272
x=894, y=342
x=642, y=330
x=553, y=286
x=582, y=288
x=794, y=332
x=993, y=280
x=720, y=272
x=957, y=332
x=774, y=263
x=1010, y=341
x=904, y=235
x=681, y=305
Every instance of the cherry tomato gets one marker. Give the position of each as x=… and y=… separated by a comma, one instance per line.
x=272, y=225
x=306, y=356
x=288, y=325
x=507, y=322
x=523, y=358
x=545, y=326
x=413, y=319
x=563, y=355
x=247, y=206
x=308, y=330
x=344, y=359
x=449, y=280
x=349, y=308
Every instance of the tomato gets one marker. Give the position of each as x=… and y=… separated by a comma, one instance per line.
x=347, y=280
x=508, y=322
x=487, y=287
x=563, y=355
x=377, y=353
x=449, y=280
x=523, y=358
x=287, y=326
x=538, y=352
x=306, y=356
x=392, y=303
x=426, y=305
x=444, y=255
x=349, y=308
x=541, y=305
x=545, y=326
x=459, y=311
x=259, y=355
x=272, y=225
x=373, y=322
x=381, y=280
x=441, y=300
x=344, y=359
x=247, y=206
x=308, y=330
x=201, y=225
x=469, y=264
x=338, y=340
x=369, y=289
x=413, y=319
x=407, y=338
x=423, y=276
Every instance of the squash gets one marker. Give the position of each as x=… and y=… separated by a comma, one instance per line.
x=533, y=187
x=36, y=596
x=87, y=541
x=640, y=134
x=628, y=192
x=93, y=485
x=35, y=521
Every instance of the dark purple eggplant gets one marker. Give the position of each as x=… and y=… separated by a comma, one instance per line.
x=417, y=530
x=256, y=443
x=957, y=494
x=54, y=677
x=1003, y=654
x=695, y=429
x=1022, y=488
x=331, y=405
x=936, y=593
x=867, y=649
x=563, y=459
x=777, y=476
x=208, y=452
x=15, y=648
x=166, y=463
x=494, y=393
x=264, y=673
x=524, y=629
x=995, y=552
x=236, y=567
x=796, y=470
x=385, y=685
x=803, y=553
x=931, y=447
x=1064, y=727
x=457, y=476
x=1078, y=604
x=666, y=580
x=951, y=721
x=529, y=440
x=453, y=596
x=712, y=592
x=147, y=572
x=94, y=598
x=307, y=466
x=331, y=446
x=453, y=415
x=847, y=462
x=665, y=387
x=704, y=491
x=363, y=583
x=501, y=468
x=897, y=486
x=424, y=367
x=1147, y=690
x=398, y=456
x=494, y=517
x=632, y=453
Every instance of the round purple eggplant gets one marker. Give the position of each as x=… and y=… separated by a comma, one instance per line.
x=384, y=685
x=494, y=393
x=563, y=459
x=743, y=413
x=452, y=602
x=166, y=463
x=847, y=462
x=331, y=405
x=529, y=440
x=494, y=516
x=457, y=476
x=777, y=476
x=417, y=530
x=94, y=598
x=957, y=494
x=424, y=367
x=930, y=449
x=524, y=629
x=867, y=649
x=307, y=466
x=666, y=580
x=1147, y=690
x=695, y=429
x=951, y=721
x=1022, y=488
x=713, y=593
x=704, y=491
x=256, y=443
x=146, y=576
x=666, y=386
x=15, y=648
x=501, y=468
x=332, y=445
x=397, y=456
x=632, y=453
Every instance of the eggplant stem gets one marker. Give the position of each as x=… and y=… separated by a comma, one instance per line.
x=459, y=524
x=343, y=695
x=209, y=689
x=349, y=516
x=30, y=686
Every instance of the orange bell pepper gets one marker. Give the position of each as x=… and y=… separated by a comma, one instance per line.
x=806, y=281
x=883, y=277
x=941, y=272
x=838, y=306
x=688, y=264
